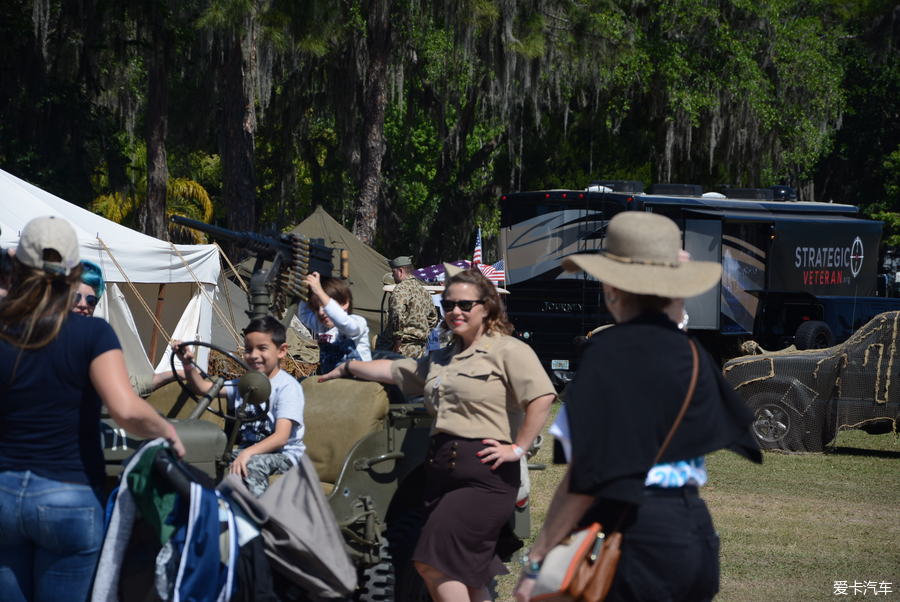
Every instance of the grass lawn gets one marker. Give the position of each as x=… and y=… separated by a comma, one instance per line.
x=793, y=526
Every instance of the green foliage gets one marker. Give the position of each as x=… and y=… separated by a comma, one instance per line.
x=780, y=535
x=892, y=180
x=223, y=14
x=888, y=210
x=891, y=219
x=483, y=97
x=184, y=196
x=532, y=43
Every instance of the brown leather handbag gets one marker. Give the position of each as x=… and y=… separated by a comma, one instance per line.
x=581, y=568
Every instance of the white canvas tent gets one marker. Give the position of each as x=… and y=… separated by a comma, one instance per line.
x=145, y=276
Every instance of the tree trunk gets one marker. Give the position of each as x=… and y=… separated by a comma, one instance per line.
x=373, y=110
x=238, y=131
x=152, y=212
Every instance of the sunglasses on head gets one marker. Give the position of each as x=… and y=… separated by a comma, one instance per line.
x=89, y=299
x=465, y=305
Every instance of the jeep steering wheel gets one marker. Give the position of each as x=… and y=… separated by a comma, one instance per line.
x=246, y=412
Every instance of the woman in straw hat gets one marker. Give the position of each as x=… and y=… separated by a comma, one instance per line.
x=630, y=387
x=490, y=397
x=55, y=369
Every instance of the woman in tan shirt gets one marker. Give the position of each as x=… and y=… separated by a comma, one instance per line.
x=490, y=397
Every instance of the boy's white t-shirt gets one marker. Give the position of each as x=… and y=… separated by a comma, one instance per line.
x=285, y=401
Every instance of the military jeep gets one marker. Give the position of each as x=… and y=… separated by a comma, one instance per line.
x=369, y=455
x=801, y=399
x=368, y=452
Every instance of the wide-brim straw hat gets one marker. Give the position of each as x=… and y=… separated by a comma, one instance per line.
x=641, y=257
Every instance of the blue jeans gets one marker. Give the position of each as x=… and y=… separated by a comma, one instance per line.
x=51, y=533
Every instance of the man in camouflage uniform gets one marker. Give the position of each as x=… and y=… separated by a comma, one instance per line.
x=411, y=313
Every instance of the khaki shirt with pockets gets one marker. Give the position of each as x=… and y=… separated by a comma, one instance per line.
x=479, y=393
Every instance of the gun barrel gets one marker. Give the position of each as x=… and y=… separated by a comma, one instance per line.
x=261, y=245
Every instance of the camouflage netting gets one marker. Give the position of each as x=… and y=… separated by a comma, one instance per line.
x=293, y=364
x=802, y=398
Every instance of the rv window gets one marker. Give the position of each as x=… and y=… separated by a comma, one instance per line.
x=753, y=236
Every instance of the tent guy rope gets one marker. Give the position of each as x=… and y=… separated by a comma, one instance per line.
x=134, y=290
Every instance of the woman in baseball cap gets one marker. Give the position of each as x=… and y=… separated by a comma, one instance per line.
x=55, y=369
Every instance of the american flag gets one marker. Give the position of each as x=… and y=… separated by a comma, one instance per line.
x=495, y=273
x=476, y=255
x=435, y=273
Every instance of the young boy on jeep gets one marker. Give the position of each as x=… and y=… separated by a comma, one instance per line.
x=273, y=443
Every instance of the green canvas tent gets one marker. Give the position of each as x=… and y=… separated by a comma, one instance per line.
x=367, y=266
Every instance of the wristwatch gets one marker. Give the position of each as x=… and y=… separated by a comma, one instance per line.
x=530, y=568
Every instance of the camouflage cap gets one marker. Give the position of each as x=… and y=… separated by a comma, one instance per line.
x=400, y=262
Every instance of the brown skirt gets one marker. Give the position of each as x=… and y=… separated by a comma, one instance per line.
x=466, y=506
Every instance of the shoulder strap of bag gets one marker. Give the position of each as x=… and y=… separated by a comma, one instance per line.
x=687, y=400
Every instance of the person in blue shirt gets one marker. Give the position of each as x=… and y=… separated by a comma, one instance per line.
x=56, y=368
x=341, y=334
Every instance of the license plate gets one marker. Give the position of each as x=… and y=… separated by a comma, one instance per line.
x=559, y=364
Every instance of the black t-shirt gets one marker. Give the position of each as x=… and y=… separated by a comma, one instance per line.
x=49, y=410
x=629, y=388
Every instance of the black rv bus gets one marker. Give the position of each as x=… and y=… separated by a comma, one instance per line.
x=793, y=272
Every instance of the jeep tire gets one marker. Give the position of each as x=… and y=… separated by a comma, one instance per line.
x=778, y=425
x=377, y=582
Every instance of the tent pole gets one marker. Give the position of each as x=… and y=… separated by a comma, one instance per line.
x=160, y=301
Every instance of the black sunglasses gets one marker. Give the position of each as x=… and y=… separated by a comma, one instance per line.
x=465, y=305
x=89, y=299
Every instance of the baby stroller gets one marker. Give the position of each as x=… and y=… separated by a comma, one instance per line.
x=172, y=534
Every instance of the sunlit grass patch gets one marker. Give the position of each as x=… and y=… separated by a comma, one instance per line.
x=793, y=526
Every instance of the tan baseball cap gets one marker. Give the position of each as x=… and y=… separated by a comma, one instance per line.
x=48, y=233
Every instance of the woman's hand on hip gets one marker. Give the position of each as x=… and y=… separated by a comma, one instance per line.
x=497, y=452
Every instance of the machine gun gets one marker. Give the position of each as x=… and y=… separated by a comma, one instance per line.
x=277, y=288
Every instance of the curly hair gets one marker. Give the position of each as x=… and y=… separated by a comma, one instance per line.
x=495, y=320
